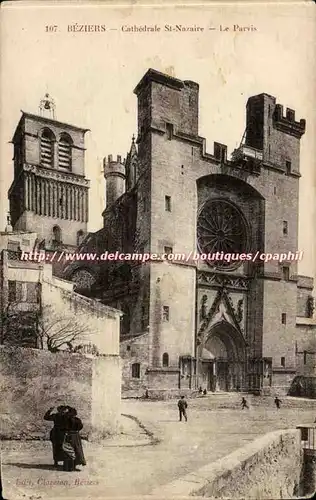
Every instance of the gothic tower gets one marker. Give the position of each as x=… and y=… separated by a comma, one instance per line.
x=49, y=192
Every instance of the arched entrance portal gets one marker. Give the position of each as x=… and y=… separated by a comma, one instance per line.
x=222, y=359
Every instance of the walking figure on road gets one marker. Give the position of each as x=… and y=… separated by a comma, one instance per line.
x=182, y=405
x=277, y=402
x=244, y=404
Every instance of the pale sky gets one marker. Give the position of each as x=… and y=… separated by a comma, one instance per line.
x=91, y=77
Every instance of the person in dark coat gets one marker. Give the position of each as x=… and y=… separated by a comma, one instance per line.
x=244, y=404
x=58, y=431
x=182, y=405
x=72, y=446
x=277, y=402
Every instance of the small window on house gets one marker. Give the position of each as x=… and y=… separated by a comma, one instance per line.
x=285, y=228
x=165, y=313
x=169, y=130
x=283, y=361
x=286, y=273
x=15, y=291
x=32, y=292
x=128, y=348
x=288, y=166
x=305, y=357
x=168, y=203
x=283, y=318
x=269, y=150
x=165, y=359
x=168, y=250
x=14, y=246
x=274, y=190
x=136, y=370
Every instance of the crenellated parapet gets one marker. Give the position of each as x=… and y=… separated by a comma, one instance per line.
x=286, y=122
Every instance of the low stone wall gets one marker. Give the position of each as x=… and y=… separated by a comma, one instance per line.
x=34, y=380
x=269, y=467
x=304, y=387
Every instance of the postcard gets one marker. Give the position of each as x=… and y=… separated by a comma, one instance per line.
x=157, y=250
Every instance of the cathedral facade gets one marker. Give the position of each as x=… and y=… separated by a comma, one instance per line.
x=212, y=324
x=216, y=324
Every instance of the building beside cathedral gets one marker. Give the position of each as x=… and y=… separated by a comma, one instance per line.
x=224, y=326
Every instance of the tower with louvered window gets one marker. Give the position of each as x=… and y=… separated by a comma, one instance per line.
x=49, y=192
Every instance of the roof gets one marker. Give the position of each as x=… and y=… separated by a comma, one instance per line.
x=156, y=76
x=46, y=120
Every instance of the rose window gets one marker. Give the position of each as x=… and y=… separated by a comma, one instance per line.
x=221, y=228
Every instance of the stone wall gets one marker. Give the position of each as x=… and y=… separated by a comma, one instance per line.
x=100, y=324
x=34, y=380
x=269, y=467
x=304, y=387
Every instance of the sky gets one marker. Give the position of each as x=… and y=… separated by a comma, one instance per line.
x=91, y=77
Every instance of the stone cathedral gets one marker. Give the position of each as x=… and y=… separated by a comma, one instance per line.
x=216, y=325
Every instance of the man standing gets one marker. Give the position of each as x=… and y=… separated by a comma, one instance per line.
x=57, y=433
x=182, y=405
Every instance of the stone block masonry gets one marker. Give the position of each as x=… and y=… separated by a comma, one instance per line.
x=269, y=467
x=33, y=380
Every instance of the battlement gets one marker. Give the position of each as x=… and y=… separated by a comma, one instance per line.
x=114, y=167
x=286, y=122
x=111, y=160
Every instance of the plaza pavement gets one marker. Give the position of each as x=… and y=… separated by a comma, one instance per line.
x=153, y=450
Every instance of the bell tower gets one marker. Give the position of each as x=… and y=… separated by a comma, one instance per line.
x=49, y=192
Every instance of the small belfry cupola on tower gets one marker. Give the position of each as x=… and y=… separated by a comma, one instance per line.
x=47, y=107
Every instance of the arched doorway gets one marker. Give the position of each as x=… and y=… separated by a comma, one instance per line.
x=222, y=359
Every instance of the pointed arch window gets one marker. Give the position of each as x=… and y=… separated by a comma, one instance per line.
x=165, y=360
x=47, y=148
x=65, y=151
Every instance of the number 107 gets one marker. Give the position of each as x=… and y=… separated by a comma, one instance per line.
x=51, y=28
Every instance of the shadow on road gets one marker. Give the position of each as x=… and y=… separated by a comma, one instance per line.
x=34, y=466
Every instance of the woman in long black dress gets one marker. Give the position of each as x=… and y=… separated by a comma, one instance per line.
x=72, y=446
x=57, y=433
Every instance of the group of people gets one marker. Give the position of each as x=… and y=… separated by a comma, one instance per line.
x=65, y=437
x=183, y=405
